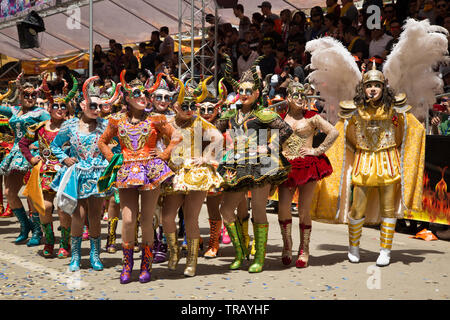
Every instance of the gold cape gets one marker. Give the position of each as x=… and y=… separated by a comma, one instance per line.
x=332, y=198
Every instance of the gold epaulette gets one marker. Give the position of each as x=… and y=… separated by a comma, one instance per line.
x=400, y=104
x=347, y=107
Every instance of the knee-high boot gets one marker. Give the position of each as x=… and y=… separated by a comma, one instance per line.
x=261, y=231
x=214, y=235
x=64, y=243
x=75, y=261
x=111, y=240
x=387, y=231
x=94, y=255
x=286, y=234
x=146, y=264
x=128, y=262
x=238, y=243
x=192, y=257
x=25, y=224
x=174, y=250
x=49, y=237
x=354, y=236
x=303, y=251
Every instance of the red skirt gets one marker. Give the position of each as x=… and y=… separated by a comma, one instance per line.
x=307, y=169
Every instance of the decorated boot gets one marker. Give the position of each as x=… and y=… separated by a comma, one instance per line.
x=225, y=236
x=174, y=250
x=64, y=244
x=7, y=212
x=111, y=240
x=387, y=230
x=237, y=240
x=36, y=234
x=94, y=256
x=286, y=234
x=244, y=227
x=214, y=235
x=303, y=250
x=75, y=261
x=128, y=262
x=192, y=256
x=25, y=224
x=261, y=231
x=160, y=249
x=146, y=264
x=49, y=237
x=354, y=236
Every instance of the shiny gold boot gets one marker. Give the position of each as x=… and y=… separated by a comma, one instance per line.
x=174, y=250
x=192, y=256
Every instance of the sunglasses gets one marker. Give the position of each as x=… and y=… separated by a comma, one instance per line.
x=94, y=106
x=298, y=96
x=209, y=110
x=185, y=107
x=56, y=106
x=247, y=92
x=29, y=96
x=138, y=93
x=161, y=97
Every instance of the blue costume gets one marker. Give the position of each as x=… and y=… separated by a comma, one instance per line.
x=81, y=179
x=15, y=161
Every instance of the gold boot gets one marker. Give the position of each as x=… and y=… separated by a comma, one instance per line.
x=174, y=250
x=192, y=255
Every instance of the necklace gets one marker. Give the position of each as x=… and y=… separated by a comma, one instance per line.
x=240, y=114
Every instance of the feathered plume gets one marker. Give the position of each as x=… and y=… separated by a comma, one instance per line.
x=335, y=74
x=409, y=67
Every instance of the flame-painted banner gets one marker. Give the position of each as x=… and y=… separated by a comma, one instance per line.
x=436, y=198
x=11, y=7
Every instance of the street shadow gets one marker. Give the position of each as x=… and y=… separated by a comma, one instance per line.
x=405, y=256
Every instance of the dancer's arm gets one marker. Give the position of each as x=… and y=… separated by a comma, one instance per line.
x=61, y=138
x=168, y=130
x=105, y=139
x=327, y=128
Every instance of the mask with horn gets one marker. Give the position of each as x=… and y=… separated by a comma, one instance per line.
x=197, y=95
x=90, y=91
x=137, y=83
x=9, y=92
x=248, y=76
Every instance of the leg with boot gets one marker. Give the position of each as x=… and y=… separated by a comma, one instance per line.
x=193, y=202
x=149, y=200
x=356, y=221
x=160, y=242
x=260, y=226
x=76, y=231
x=65, y=221
x=285, y=196
x=47, y=225
x=95, y=215
x=243, y=218
x=305, y=192
x=36, y=230
x=170, y=208
x=388, y=221
x=227, y=209
x=113, y=220
x=215, y=223
x=129, y=205
x=13, y=184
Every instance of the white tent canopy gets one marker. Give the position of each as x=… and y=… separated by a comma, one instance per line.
x=130, y=21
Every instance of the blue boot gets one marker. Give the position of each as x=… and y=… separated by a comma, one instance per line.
x=25, y=224
x=75, y=260
x=95, y=254
x=36, y=235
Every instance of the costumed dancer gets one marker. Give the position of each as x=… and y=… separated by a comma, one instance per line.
x=45, y=167
x=6, y=144
x=138, y=170
x=380, y=150
x=14, y=166
x=161, y=103
x=194, y=162
x=308, y=166
x=253, y=164
x=76, y=183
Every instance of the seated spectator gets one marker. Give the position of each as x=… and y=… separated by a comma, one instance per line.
x=333, y=8
x=131, y=62
x=441, y=12
x=112, y=43
x=269, y=33
x=160, y=65
x=281, y=56
x=330, y=23
x=286, y=17
x=296, y=68
x=231, y=40
x=349, y=10
x=388, y=15
x=98, y=58
x=428, y=11
x=396, y=29
x=343, y=22
x=257, y=18
x=119, y=58
x=357, y=46
x=266, y=10
x=317, y=29
x=155, y=41
x=167, y=47
x=148, y=58
x=244, y=21
x=299, y=18
x=440, y=123
x=246, y=58
x=268, y=63
x=378, y=42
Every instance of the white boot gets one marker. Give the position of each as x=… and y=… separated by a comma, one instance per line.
x=387, y=231
x=354, y=234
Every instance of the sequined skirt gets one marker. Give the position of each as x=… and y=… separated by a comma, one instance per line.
x=307, y=169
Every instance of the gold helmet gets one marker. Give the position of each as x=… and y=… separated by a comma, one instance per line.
x=373, y=75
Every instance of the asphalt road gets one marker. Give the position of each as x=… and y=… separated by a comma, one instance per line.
x=418, y=270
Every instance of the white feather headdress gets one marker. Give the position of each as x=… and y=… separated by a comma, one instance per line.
x=409, y=67
x=336, y=74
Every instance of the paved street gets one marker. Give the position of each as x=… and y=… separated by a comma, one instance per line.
x=419, y=270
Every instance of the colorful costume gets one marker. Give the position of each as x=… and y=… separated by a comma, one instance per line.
x=380, y=151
